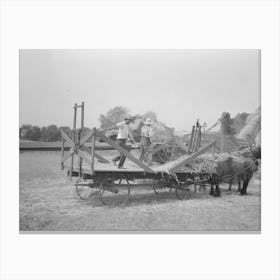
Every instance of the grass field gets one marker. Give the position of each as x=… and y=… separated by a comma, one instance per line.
x=48, y=202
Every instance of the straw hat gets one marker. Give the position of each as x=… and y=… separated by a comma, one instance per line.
x=148, y=121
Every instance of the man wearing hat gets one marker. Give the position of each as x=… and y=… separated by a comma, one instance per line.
x=123, y=135
x=146, y=134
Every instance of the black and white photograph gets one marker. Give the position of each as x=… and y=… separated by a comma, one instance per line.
x=141, y=140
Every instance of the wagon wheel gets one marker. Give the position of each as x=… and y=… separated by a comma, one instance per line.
x=114, y=190
x=85, y=190
x=182, y=191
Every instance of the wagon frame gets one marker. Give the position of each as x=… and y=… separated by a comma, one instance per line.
x=113, y=185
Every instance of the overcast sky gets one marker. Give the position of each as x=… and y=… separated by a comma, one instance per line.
x=178, y=85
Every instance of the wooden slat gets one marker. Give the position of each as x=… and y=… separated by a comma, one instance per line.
x=74, y=136
x=191, y=140
x=67, y=138
x=82, y=155
x=70, y=142
x=93, y=151
x=62, y=153
x=124, y=152
x=110, y=128
x=71, y=152
x=192, y=156
x=99, y=157
x=85, y=139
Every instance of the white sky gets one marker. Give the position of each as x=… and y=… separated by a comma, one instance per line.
x=179, y=85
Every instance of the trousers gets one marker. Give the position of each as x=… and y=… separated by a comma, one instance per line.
x=121, y=158
x=145, y=147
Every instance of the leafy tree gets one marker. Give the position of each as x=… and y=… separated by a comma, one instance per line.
x=25, y=131
x=53, y=133
x=35, y=133
x=112, y=117
x=66, y=129
x=44, y=135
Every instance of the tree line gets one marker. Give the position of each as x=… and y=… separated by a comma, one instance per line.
x=52, y=133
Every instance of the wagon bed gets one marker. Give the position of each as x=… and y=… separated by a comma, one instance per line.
x=96, y=175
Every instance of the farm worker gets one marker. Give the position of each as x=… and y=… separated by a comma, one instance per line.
x=146, y=134
x=123, y=135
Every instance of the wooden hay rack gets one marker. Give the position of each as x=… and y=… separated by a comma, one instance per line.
x=96, y=176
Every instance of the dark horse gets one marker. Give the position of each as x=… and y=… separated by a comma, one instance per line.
x=243, y=173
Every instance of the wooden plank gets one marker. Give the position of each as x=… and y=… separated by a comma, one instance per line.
x=68, y=155
x=67, y=138
x=81, y=134
x=186, y=159
x=199, y=139
x=93, y=151
x=74, y=135
x=191, y=140
x=124, y=152
x=86, y=138
x=110, y=128
x=99, y=157
x=62, y=152
x=82, y=155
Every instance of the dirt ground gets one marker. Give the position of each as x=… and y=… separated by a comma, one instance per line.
x=48, y=202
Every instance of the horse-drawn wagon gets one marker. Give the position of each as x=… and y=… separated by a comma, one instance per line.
x=95, y=175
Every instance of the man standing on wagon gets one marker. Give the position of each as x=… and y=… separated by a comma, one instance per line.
x=146, y=134
x=123, y=135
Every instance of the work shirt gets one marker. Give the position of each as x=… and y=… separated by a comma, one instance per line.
x=147, y=131
x=123, y=130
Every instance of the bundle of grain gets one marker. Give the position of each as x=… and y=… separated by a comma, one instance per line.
x=204, y=164
x=252, y=127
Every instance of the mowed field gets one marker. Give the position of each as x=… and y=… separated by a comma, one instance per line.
x=48, y=202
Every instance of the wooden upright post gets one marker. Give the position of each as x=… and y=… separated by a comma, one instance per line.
x=191, y=140
x=193, y=147
x=92, y=151
x=83, y=115
x=62, y=152
x=199, y=138
x=81, y=135
x=74, y=134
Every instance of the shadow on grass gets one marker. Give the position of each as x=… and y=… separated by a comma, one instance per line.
x=149, y=198
x=146, y=196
